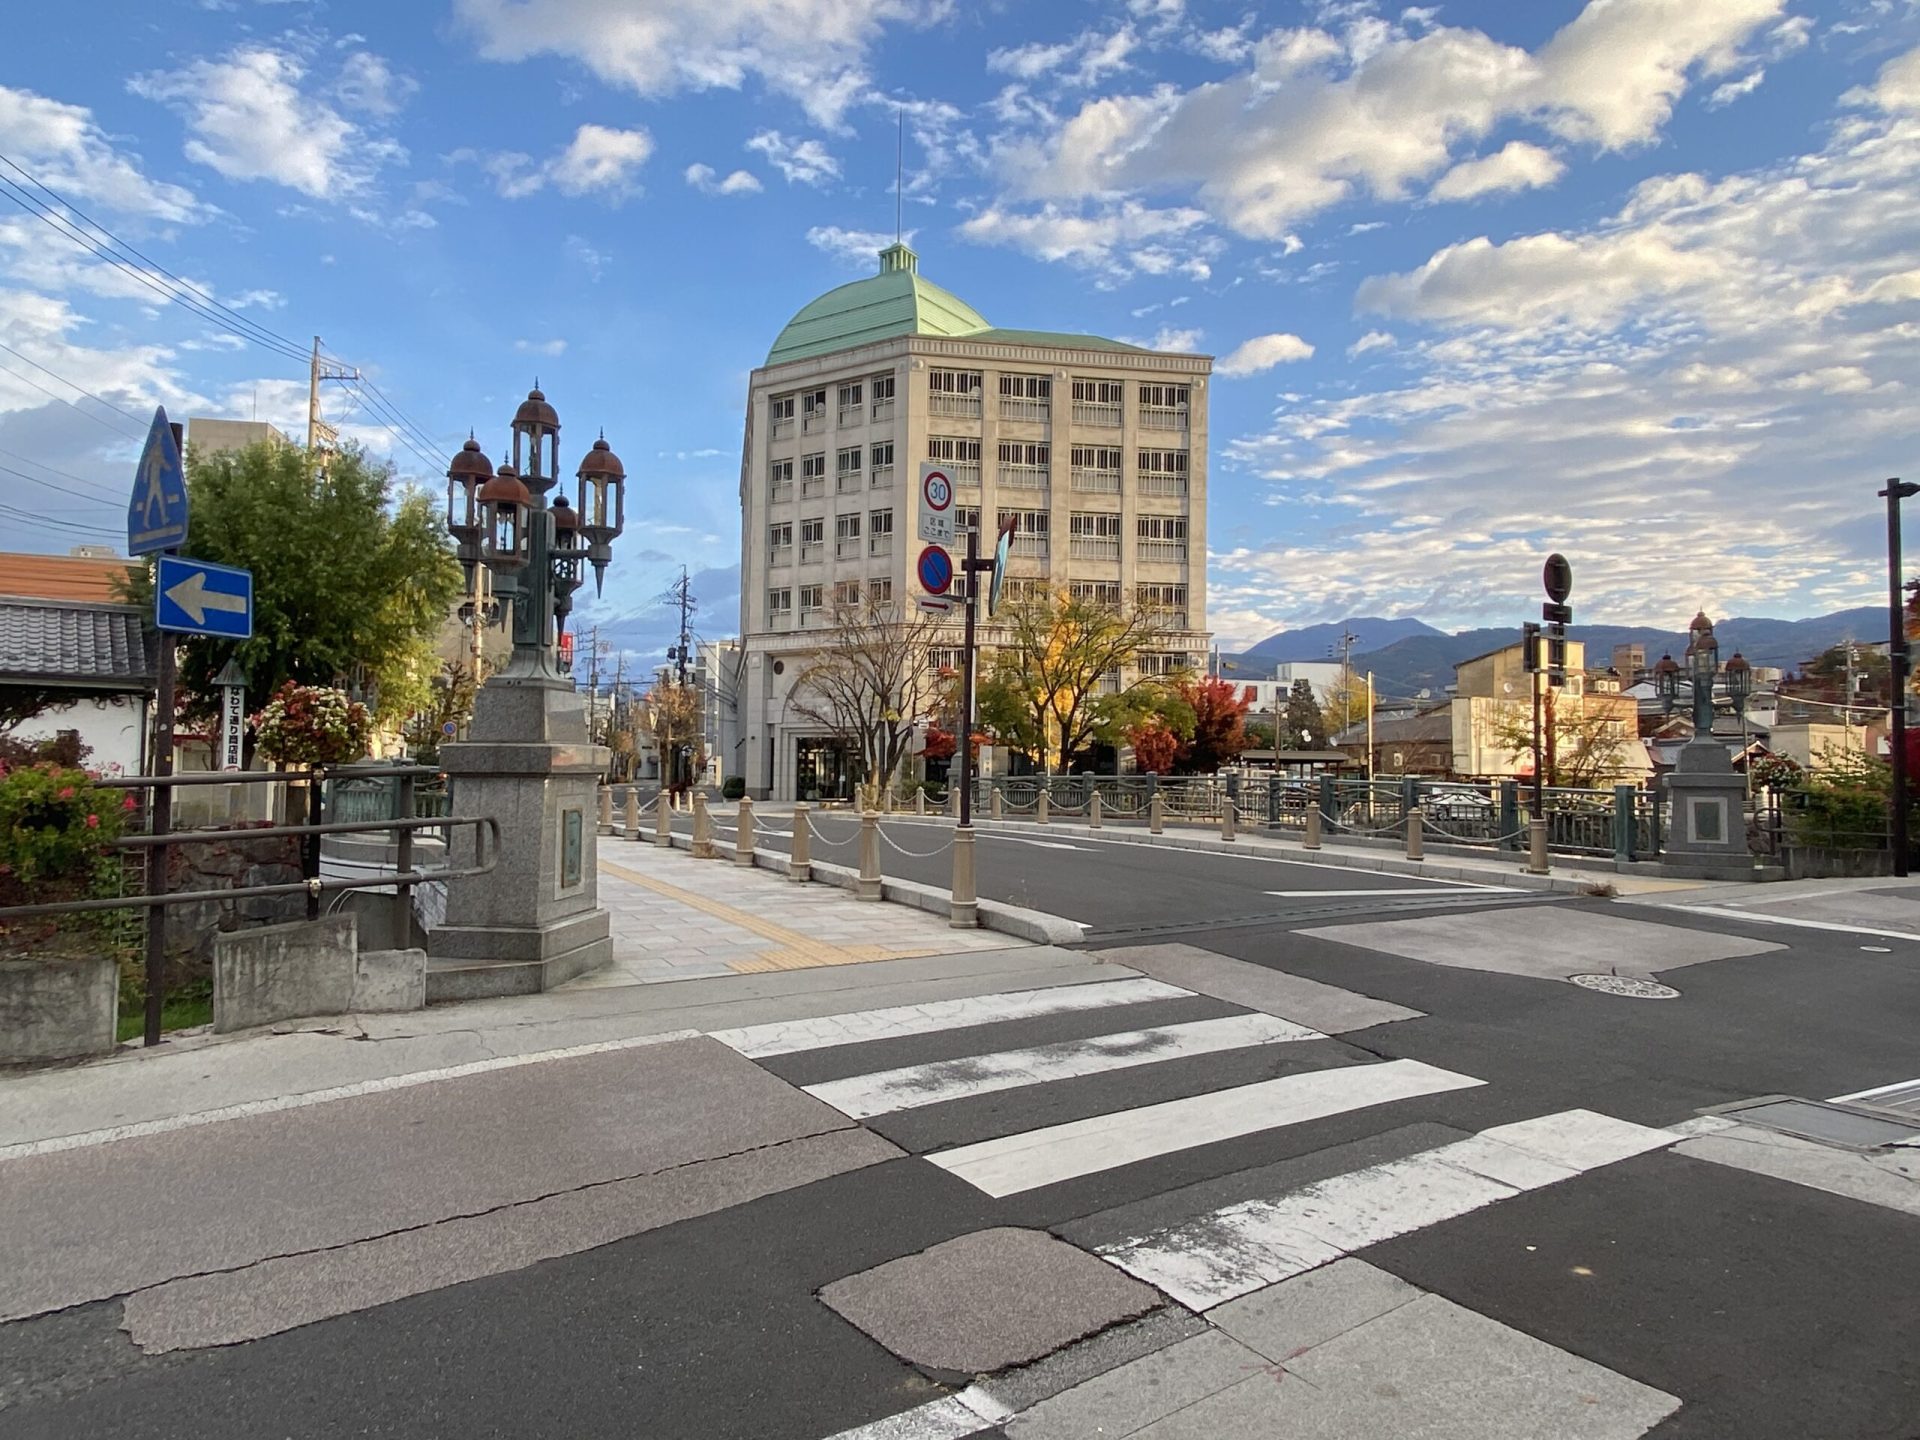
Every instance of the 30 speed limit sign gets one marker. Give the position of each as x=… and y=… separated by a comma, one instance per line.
x=936, y=504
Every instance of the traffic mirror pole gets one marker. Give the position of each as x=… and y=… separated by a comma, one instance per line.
x=971, y=568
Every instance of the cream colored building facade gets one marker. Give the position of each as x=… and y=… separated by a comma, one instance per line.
x=1100, y=448
x=1491, y=692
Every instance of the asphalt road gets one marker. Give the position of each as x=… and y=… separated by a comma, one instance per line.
x=1767, y=1309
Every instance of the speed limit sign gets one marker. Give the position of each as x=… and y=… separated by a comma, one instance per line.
x=936, y=504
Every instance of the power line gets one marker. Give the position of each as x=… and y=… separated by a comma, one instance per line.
x=59, y=489
x=61, y=399
x=93, y=485
x=40, y=519
x=420, y=431
x=392, y=427
x=378, y=402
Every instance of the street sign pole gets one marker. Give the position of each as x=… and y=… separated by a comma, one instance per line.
x=159, y=822
x=966, y=684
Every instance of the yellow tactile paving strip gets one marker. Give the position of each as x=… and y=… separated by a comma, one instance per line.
x=793, y=951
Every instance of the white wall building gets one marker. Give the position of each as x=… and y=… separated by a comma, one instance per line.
x=1100, y=448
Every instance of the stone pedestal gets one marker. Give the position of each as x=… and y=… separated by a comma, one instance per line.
x=1708, y=839
x=535, y=920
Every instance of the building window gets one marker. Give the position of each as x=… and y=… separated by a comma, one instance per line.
x=1169, y=601
x=780, y=605
x=1162, y=472
x=847, y=465
x=1162, y=537
x=1097, y=402
x=809, y=602
x=1099, y=592
x=780, y=543
x=880, y=592
x=1163, y=407
x=880, y=464
x=780, y=481
x=851, y=404
x=1096, y=469
x=880, y=391
x=966, y=520
x=813, y=536
x=1093, y=535
x=813, y=474
x=1030, y=535
x=1024, y=466
x=954, y=392
x=880, y=531
x=960, y=454
x=813, y=412
x=946, y=659
x=846, y=536
x=1027, y=587
x=1162, y=662
x=780, y=412
x=1026, y=397
x=846, y=592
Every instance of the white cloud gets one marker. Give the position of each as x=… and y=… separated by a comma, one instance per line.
x=1898, y=87
x=708, y=181
x=1372, y=340
x=601, y=159
x=1515, y=166
x=812, y=51
x=549, y=348
x=804, y=162
x=1120, y=240
x=1263, y=352
x=860, y=248
x=65, y=147
x=1362, y=227
x=368, y=83
x=1733, y=89
x=1187, y=342
x=250, y=120
x=1087, y=59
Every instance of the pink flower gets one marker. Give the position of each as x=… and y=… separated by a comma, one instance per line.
x=93, y=822
x=66, y=793
x=129, y=803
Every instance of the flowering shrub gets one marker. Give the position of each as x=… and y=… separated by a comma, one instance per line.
x=55, y=823
x=1776, y=772
x=312, y=725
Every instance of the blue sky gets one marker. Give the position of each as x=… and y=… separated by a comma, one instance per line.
x=1634, y=279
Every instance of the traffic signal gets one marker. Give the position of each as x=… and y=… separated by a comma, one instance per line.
x=1556, y=655
x=1530, y=647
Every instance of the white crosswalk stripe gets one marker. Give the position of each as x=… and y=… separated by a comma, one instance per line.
x=787, y=1037
x=912, y=1086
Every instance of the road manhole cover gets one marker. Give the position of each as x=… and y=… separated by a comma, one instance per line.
x=1628, y=986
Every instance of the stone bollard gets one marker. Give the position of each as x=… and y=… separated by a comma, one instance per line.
x=663, y=819
x=953, y=802
x=919, y=802
x=1093, y=811
x=1312, y=842
x=1156, y=814
x=1041, y=806
x=702, y=828
x=1537, y=847
x=1416, y=835
x=869, y=856
x=743, y=834
x=606, y=809
x=1229, y=814
x=800, y=858
x=964, y=912
x=633, y=812
x=996, y=804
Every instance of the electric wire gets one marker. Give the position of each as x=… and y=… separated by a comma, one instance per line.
x=64, y=381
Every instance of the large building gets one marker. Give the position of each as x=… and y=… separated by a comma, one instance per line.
x=211, y=436
x=1100, y=448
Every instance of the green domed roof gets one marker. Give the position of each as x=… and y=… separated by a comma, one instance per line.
x=894, y=302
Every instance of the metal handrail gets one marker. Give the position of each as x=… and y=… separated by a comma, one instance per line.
x=265, y=777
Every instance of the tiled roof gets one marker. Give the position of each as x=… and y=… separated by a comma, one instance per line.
x=62, y=577
x=53, y=642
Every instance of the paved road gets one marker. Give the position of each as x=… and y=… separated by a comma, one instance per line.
x=1315, y=1176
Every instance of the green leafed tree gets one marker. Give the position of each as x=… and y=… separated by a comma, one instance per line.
x=347, y=571
x=1301, y=727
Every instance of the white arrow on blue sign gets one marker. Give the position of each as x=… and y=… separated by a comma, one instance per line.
x=157, y=514
x=196, y=598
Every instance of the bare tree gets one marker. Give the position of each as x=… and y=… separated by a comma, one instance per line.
x=870, y=683
x=673, y=714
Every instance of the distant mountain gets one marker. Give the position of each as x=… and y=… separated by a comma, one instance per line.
x=1321, y=642
x=1419, y=657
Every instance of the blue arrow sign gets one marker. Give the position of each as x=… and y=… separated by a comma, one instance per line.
x=157, y=514
x=196, y=598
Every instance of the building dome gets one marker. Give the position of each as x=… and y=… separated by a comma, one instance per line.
x=894, y=302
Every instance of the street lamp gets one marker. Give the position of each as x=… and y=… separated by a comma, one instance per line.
x=1896, y=491
x=1703, y=663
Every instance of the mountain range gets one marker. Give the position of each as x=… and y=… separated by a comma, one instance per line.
x=1408, y=656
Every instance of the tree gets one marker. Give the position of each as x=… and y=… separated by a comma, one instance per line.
x=346, y=573
x=1155, y=747
x=450, y=703
x=1219, y=725
x=673, y=714
x=1585, y=742
x=1348, y=702
x=1046, y=692
x=1302, y=727
x=870, y=684
x=21, y=703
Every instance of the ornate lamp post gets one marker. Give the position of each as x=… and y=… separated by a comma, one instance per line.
x=528, y=760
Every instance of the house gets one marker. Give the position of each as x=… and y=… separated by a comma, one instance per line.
x=1401, y=744
x=94, y=659
x=1492, y=708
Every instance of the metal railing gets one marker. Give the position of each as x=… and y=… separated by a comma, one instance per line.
x=1025, y=410
x=1163, y=417
x=1163, y=552
x=1102, y=413
x=1024, y=477
x=965, y=406
x=1096, y=482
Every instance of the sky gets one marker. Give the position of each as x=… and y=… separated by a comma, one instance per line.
x=1637, y=280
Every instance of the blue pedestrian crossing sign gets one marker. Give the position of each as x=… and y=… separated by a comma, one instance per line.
x=195, y=598
x=157, y=514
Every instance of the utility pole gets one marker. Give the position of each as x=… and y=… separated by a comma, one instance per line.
x=684, y=596
x=593, y=681
x=1346, y=644
x=322, y=437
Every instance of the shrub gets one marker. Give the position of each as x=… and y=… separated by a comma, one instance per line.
x=55, y=823
x=312, y=725
x=733, y=787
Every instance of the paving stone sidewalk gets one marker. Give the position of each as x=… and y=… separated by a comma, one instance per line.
x=677, y=918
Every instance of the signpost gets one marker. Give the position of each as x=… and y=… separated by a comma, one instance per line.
x=157, y=513
x=1545, y=653
x=996, y=568
x=197, y=598
x=232, y=681
x=937, y=522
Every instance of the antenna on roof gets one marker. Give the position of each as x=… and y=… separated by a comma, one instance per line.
x=899, y=167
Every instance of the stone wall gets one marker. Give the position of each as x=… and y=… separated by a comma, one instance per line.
x=227, y=862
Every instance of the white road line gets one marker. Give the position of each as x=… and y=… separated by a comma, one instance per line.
x=1024, y=840
x=912, y=1086
x=1034, y=1158
x=1465, y=889
x=274, y=1104
x=1735, y=911
x=1877, y=1090
x=1240, y=1248
x=945, y=1419
x=785, y=1037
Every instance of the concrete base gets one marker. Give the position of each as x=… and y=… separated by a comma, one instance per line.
x=1709, y=839
x=389, y=980
x=57, y=1009
x=284, y=972
x=479, y=962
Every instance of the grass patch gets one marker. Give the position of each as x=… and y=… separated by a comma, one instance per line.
x=179, y=1012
